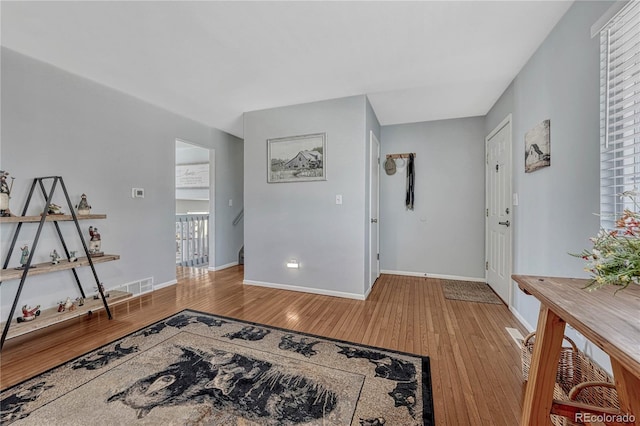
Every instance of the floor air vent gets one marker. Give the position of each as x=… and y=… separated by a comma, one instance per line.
x=144, y=285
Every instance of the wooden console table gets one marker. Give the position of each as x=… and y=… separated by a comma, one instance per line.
x=612, y=322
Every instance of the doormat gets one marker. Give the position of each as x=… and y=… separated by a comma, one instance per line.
x=469, y=291
x=199, y=369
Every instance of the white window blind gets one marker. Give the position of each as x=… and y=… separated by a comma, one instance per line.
x=620, y=112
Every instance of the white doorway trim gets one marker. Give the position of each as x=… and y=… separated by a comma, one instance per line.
x=499, y=216
x=212, y=208
x=212, y=198
x=374, y=211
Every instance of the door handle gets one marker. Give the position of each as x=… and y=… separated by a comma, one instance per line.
x=507, y=223
x=374, y=220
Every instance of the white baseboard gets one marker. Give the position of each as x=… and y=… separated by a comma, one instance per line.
x=305, y=289
x=428, y=275
x=521, y=319
x=221, y=267
x=162, y=285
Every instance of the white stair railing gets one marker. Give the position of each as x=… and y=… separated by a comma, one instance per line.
x=192, y=239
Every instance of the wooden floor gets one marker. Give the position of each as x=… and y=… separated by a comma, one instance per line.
x=475, y=364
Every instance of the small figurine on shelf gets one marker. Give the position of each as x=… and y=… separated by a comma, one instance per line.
x=101, y=289
x=68, y=304
x=5, y=194
x=25, y=255
x=24, y=258
x=95, y=242
x=72, y=256
x=55, y=257
x=79, y=301
x=29, y=313
x=83, y=206
x=54, y=209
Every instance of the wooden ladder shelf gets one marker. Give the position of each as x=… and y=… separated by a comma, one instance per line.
x=51, y=316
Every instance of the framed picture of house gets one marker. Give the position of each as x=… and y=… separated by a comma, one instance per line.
x=537, y=147
x=297, y=158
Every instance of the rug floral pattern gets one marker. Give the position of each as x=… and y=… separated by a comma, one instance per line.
x=199, y=369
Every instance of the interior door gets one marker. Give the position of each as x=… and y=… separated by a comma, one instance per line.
x=499, y=208
x=374, y=208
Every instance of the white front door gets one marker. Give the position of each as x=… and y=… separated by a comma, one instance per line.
x=499, y=214
x=374, y=207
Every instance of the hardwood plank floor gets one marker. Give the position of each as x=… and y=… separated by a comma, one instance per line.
x=475, y=365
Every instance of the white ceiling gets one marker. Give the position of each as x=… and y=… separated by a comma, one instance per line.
x=212, y=61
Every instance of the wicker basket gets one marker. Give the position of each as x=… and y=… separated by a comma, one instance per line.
x=565, y=377
x=601, y=394
x=577, y=379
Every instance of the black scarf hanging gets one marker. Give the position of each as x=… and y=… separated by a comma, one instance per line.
x=411, y=181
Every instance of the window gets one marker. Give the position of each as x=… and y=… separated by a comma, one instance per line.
x=620, y=112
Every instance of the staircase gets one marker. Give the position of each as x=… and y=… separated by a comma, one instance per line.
x=241, y=252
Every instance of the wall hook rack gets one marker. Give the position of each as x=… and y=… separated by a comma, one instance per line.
x=405, y=155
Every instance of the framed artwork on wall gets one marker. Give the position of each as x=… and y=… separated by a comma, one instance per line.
x=192, y=175
x=297, y=158
x=537, y=147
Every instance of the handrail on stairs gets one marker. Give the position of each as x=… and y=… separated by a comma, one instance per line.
x=238, y=218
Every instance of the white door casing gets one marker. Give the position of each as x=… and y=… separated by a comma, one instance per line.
x=212, y=201
x=499, y=209
x=374, y=208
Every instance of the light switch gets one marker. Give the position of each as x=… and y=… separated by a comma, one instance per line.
x=515, y=199
x=338, y=199
x=230, y=202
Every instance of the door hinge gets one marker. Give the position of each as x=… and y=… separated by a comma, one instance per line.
x=487, y=212
x=497, y=167
x=486, y=265
x=378, y=160
x=378, y=256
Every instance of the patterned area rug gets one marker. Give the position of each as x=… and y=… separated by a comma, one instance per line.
x=469, y=291
x=198, y=369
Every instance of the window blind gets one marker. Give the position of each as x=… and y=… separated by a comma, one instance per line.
x=620, y=113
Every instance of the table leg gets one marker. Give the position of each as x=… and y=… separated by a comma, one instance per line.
x=538, y=397
x=628, y=388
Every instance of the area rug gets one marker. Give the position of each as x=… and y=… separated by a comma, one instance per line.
x=469, y=291
x=198, y=369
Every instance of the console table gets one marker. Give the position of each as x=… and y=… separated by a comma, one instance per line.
x=611, y=321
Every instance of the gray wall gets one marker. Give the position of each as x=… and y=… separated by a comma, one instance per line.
x=499, y=111
x=301, y=220
x=103, y=142
x=229, y=178
x=555, y=215
x=444, y=234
